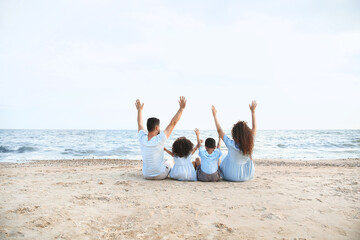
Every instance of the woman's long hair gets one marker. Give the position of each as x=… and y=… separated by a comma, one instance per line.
x=243, y=137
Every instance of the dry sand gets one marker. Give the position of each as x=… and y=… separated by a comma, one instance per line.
x=109, y=199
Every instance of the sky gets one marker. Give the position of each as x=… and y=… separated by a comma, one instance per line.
x=82, y=64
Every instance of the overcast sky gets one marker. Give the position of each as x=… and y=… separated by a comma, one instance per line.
x=82, y=64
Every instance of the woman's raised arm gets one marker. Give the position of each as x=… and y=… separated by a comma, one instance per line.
x=252, y=107
x=217, y=124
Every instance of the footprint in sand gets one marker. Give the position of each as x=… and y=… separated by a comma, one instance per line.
x=24, y=210
x=14, y=234
x=222, y=226
x=40, y=222
x=341, y=231
x=270, y=216
x=121, y=183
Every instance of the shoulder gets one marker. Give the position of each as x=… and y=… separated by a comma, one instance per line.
x=161, y=137
x=142, y=133
x=201, y=150
x=227, y=139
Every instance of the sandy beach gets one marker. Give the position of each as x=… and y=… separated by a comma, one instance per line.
x=109, y=199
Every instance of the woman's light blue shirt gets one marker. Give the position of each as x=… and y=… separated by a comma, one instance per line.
x=209, y=162
x=236, y=166
x=183, y=169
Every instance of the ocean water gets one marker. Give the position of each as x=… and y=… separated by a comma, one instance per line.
x=25, y=145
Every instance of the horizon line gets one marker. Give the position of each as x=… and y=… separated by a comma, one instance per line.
x=134, y=129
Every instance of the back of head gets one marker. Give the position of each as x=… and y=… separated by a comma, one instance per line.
x=152, y=123
x=182, y=147
x=210, y=143
x=243, y=137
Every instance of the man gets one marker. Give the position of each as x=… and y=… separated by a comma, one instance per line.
x=152, y=144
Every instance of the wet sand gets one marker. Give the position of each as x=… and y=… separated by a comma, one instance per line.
x=109, y=199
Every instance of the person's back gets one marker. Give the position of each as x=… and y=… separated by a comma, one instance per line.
x=183, y=169
x=238, y=164
x=152, y=154
x=207, y=168
x=209, y=161
x=152, y=143
x=182, y=151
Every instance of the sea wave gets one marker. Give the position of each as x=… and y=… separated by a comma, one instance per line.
x=23, y=149
x=23, y=145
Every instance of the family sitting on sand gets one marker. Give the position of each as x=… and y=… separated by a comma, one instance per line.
x=208, y=167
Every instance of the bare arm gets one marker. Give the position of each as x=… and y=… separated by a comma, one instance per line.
x=252, y=107
x=197, y=132
x=139, y=108
x=176, y=118
x=168, y=151
x=217, y=124
x=194, y=150
x=219, y=143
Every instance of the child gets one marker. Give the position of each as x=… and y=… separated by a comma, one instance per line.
x=207, y=166
x=238, y=165
x=183, y=169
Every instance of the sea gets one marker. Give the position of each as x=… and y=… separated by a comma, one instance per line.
x=23, y=145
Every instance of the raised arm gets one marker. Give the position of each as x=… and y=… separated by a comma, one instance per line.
x=217, y=124
x=195, y=148
x=197, y=132
x=252, y=107
x=139, y=108
x=219, y=143
x=168, y=151
x=176, y=118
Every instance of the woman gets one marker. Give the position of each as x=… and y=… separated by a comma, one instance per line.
x=238, y=165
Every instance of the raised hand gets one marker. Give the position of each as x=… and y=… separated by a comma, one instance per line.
x=197, y=132
x=138, y=105
x=252, y=106
x=217, y=124
x=182, y=102
x=214, y=111
x=176, y=118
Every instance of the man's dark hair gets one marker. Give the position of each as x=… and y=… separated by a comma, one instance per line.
x=152, y=123
x=210, y=143
x=182, y=147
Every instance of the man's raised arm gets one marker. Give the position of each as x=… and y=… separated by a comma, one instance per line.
x=176, y=118
x=139, y=108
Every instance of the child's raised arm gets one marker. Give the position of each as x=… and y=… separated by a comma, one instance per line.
x=197, y=132
x=195, y=148
x=252, y=109
x=168, y=151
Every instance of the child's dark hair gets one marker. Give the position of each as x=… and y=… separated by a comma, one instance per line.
x=152, y=123
x=182, y=147
x=210, y=143
x=243, y=137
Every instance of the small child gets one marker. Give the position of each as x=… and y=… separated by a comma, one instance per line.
x=207, y=166
x=183, y=169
